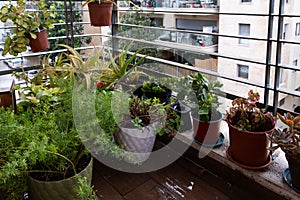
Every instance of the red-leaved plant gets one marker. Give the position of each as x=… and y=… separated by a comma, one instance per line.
x=245, y=115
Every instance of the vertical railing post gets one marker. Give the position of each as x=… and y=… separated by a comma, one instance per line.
x=71, y=23
x=115, y=28
x=269, y=54
x=278, y=55
x=66, y=22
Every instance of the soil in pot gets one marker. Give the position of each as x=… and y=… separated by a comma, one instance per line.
x=100, y=14
x=249, y=148
x=294, y=167
x=41, y=43
x=207, y=132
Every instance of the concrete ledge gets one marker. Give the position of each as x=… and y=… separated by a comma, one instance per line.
x=270, y=178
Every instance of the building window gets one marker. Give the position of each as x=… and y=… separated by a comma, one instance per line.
x=243, y=71
x=284, y=31
x=244, y=1
x=297, y=30
x=244, y=30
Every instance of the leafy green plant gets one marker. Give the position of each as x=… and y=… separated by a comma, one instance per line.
x=26, y=22
x=143, y=111
x=151, y=86
x=60, y=30
x=245, y=115
x=207, y=95
x=50, y=148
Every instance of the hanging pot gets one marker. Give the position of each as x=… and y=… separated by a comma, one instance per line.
x=41, y=42
x=58, y=190
x=100, y=14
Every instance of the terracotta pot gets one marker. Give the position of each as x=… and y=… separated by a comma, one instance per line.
x=58, y=190
x=207, y=132
x=41, y=43
x=139, y=141
x=294, y=167
x=100, y=14
x=249, y=148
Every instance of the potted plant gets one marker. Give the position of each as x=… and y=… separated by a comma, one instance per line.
x=42, y=141
x=139, y=126
x=100, y=12
x=122, y=69
x=288, y=139
x=153, y=88
x=206, y=117
x=30, y=27
x=248, y=130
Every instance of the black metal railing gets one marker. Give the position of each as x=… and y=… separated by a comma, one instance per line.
x=271, y=66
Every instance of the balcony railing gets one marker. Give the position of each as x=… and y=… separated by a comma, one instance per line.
x=183, y=43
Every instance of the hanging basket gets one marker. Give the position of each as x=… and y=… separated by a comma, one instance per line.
x=41, y=42
x=100, y=14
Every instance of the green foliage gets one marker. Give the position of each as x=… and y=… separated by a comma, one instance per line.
x=120, y=66
x=84, y=189
x=199, y=93
x=207, y=95
x=26, y=22
x=60, y=30
x=245, y=115
x=153, y=87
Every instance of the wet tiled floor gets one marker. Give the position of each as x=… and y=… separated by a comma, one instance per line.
x=172, y=182
x=184, y=179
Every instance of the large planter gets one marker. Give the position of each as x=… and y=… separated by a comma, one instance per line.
x=41, y=42
x=294, y=168
x=207, y=133
x=58, y=190
x=100, y=14
x=138, y=141
x=249, y=149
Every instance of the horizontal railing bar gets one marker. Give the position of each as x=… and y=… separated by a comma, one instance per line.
x=191, y=50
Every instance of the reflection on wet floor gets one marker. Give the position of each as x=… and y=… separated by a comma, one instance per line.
x=173, y=182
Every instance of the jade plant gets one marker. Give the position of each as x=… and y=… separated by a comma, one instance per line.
x=245, y=115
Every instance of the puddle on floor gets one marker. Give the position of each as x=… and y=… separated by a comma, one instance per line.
x=174, y=190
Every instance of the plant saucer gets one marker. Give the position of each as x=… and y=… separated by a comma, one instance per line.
x=228, y=154
x=287, y=177
x=219, y=142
